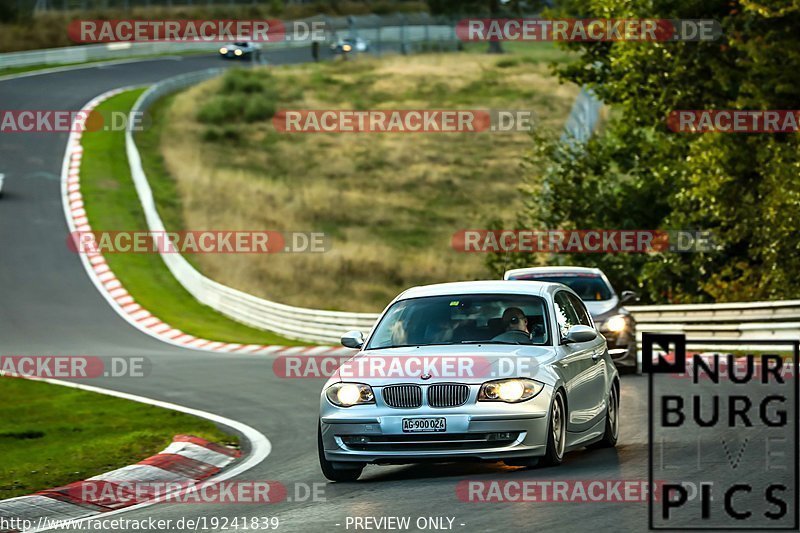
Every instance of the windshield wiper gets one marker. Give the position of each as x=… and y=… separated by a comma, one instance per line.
x=410, y=345
x=491, y=342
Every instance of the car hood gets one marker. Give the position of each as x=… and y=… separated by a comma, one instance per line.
x=447, y=364
x=599, y=309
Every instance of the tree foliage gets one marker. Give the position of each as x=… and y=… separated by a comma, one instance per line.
x=636, y=173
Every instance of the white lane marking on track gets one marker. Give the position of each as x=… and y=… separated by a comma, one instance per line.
x=260, y=446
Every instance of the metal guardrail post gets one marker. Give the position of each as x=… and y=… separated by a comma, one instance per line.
x=403, y=35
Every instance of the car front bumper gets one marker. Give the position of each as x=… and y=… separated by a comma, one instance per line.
x=488, y=431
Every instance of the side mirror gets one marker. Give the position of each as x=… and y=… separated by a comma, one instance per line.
x=628, y=296
x=580, y=333
x=353, y=339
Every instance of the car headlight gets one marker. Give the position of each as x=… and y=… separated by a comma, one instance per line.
x=223, y=50
x=509, y=390
x=616, y=323
x=347, y=48
x=349, y=394
x=237, y=52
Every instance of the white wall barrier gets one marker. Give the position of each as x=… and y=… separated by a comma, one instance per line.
x=289, y=321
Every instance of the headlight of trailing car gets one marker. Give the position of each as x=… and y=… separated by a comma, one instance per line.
x=509, y=390
x=349, y=394
x=616, y=323
x=223, y=50
x=238, y=52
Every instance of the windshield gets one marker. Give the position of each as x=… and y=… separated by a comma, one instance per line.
x=463, y=319
x=590, y=287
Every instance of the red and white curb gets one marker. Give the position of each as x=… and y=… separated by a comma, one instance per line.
x=113, y=290
x=185, y=463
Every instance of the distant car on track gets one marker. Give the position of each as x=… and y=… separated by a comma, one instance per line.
x=541, y=381
x=607, y=308
x=350, y=44
x=239, y=50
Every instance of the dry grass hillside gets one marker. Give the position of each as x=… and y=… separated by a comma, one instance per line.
x=389, y=202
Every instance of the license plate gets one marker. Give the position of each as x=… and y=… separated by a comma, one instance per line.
x=424, y=425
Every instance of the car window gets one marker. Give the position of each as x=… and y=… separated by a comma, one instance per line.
x=462, y=318
x=590, y=287
x=580, y=309
x=565, y=313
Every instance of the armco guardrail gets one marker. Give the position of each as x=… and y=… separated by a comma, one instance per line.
x=97, y=52
x=381, y=31
x=727, y=321
x=736, y=321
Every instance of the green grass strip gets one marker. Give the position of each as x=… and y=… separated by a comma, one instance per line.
x=52, y=435
x=112, y=204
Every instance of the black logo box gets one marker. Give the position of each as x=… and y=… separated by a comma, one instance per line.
x=676, y=343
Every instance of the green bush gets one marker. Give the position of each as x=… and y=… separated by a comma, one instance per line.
x=258, y=108
x=243, y=81
x=226, y=133
x=507, y=63
x=221, y=109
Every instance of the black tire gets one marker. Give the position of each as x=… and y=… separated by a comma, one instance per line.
x=329, y=471
x=611, y=433
x=556, y=431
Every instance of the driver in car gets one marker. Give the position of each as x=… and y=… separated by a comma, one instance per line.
x=515, y=320
x=516, y=324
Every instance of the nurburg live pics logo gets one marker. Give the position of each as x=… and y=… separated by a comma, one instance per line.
x=724, y=444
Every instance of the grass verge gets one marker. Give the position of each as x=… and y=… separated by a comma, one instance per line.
x=52, y=435
x=113, y=205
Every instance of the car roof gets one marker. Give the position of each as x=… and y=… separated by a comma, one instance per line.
x=534, y=288
x=552, y=270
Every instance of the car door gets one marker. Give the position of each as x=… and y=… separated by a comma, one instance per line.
x=596, y=374
x=577, y=366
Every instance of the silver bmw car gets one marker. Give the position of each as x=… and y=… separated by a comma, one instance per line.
x=510, y=371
